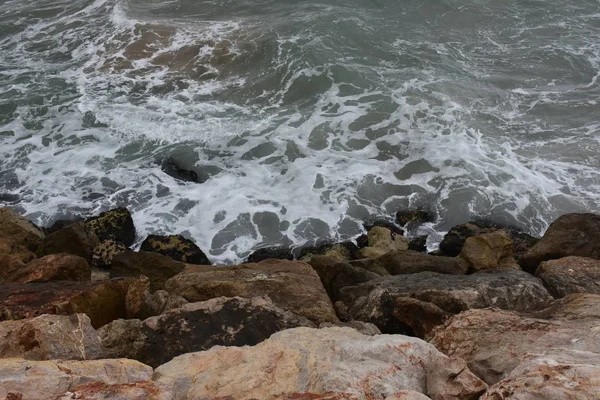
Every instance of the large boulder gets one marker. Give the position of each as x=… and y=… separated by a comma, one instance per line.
x=19, y=230
x=336, y=275
x=342, y=252
x=292, y=285
x=156, y=267
x=569, y=235
x=114, y=225
x=177, y=247
x=197, y=326
x=494, y=342
x=50, y=337
x=13, y=257
x=412, y=262
x=381, y=241
x=54, y=267
x=377, y=301
x=316, y=361
x=46, y=380
x=454, y=240
x=102, y=301
x=141, y=303
x=145, y=390
x=73, y=239
x=570, y=275
x=488, y=251
x=105, y=252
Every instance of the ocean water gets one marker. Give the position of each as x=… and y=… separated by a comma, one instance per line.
x=303, y=119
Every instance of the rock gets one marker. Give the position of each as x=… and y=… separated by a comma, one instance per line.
x=407, y=395
x=142, y=304
x=494, y=342
x=73, y=239
x=124, y=391
x=13, y=257
x=376, y=301
x=54, y=267
x=46, y=380
x=370, y=264
x=174, y=168
x=305, y=360
x=280, y=253
x=553, y=375
x=19, y=230
x=114, y=225
x=569, y=235
x=198, y=326
x=292, y=285
x=365, y=328
x=454, y=240
x=488, y=251
x=102, y=301
x=104, y=253
x=60, y=224
x=340, y=251
x=50, y=337
x=382, y=241
x=156, y=267
x=384, y=224
x=176, y=247
x=411, y=262
x=450, y=378
x=418, y=244
x=570, y=275
x=336, y=275
x=313, y=396
x=419, y=216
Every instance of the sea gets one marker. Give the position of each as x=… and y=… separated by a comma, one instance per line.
x=252, y=123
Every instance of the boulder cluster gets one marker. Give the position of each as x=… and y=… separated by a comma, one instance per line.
x=494, y=314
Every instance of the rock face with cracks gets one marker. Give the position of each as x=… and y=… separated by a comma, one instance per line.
x=570, y=275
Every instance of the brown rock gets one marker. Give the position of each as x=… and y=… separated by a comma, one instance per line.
x=454, y=240
x=156, y=267
x=13, y=257
x=73, y=239
x=102, y=301
x=49, y=337
x=104, y=253
x=125, y=391
x=54, y=267
x=407, y=395
x=450, y=378
x=46, y=380
x=176, y=247
x=494, y=342
x=382, y=241
x=570, y=275
x=342, y=252
x=569, y=235
x=371, y=265
x=142, y=304
x=488, y=251
x=114, y=225
x=292, y=285
x=412, y=262
x=419, y=316
x=19, y=230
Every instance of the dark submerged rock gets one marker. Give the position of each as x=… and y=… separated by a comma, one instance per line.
x=280, y=253
x=176, y=247
x=417, y=216
x=418, y=244
x=114, y=225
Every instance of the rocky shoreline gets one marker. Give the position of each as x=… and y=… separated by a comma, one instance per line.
x=494, y=314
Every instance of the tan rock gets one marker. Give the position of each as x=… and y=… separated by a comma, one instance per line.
x=382, y=241
x=407, y=395
x=450, y=378
x=124, y=391
x=304, y=360
x=49, y=337
x=54, y=267
x=19, y=230
x=292, y=285
x=142, y=304
x=487, y=251
x=46, y=380
x=570, y=275
x=413, y=262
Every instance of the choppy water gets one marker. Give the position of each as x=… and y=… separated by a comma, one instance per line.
x=307, y=117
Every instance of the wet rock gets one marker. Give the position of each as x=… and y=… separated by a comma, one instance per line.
x=494, y=342
x=46, y=380
x=454, y=240
x=114, y=225
x=488, y=251
x=142, y=304
x=418, y=244
x=125, y=391
x=74, y=239
x=50, y=337
x=416, y=216
x=177, y=170
x=376, y=301
x=280, y=253
x=384, y=224
x=292, y=285
x=569, y=235
x=104, y=253
x=176, y=247
x=340, y=251
x=19, y=230
x=570, y=275
x=13, y=257
x=382, y=241
x=54, y=267
x=198, y=326
x=336, y=275
x=102, y=301
x=411, y=262
x=156, y=267
x=305, y=360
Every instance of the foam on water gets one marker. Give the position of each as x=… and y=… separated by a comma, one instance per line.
x=307, y=127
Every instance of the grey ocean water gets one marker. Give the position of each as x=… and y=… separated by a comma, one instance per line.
x=305, y=118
